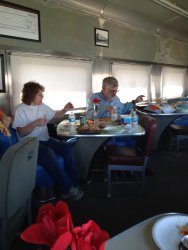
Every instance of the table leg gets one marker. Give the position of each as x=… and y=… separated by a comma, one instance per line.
x=84, y=150
x=162, y=123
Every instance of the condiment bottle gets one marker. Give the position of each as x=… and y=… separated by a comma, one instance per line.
x=114, y=114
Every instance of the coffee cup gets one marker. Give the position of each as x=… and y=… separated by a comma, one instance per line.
x=126, y=119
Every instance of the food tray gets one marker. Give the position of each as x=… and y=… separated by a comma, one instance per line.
x=88, y=132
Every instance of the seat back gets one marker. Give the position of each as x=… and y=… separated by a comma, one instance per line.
x=17, y=180
x=42, y=177
x=17, y=175
x=131, y=162
x=150, y=125
x=44, y=182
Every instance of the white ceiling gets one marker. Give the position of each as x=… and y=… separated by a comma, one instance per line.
x=166, y=17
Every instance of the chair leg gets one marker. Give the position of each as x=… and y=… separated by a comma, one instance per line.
x=29, y=212
x=109, y=180
x=143, y=183
x=172, y=141
x=177, y=144
x=3, y=240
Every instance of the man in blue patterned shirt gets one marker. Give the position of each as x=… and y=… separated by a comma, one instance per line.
x=109, y=99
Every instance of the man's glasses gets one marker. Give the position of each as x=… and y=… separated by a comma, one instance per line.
x=113, y=90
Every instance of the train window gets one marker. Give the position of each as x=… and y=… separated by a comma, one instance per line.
x=133, y=80
x=64, y=80
x=173, y=82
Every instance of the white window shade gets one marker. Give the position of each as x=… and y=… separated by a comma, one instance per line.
x=133, y=80
x=173, y=81
x=64, y=80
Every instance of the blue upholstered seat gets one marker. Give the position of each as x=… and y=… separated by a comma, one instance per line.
x=43, y=179
x=6, y=142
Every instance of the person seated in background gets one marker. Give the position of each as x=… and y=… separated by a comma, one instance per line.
x=5, y=133
x=31, y=118
x=4, y=123
x=109, y=99
x=7, y=136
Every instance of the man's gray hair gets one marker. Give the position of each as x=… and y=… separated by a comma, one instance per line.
x=110, y=81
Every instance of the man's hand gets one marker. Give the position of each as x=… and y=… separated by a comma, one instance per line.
x=139, y=98
x=109, y=109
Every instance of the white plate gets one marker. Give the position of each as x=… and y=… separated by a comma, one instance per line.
x=114, y=129
x=107, y=123
x=166, y=231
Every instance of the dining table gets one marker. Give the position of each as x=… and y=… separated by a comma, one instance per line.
x=88, y=143
x=161, y=231
x=163, y=120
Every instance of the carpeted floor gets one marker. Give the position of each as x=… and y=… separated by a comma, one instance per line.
x=166, y=191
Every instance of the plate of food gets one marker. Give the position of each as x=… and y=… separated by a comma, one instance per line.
x=154, y=108
x=168, y=231
x=114, y=129
x=88, y=129
x=106, y=120
x=103, y=122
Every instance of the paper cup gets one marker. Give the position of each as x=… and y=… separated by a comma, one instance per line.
x=125, y=119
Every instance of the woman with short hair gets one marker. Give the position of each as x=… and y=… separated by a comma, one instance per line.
x=31, y=118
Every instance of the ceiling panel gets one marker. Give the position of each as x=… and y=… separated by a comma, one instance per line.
x=165, y=17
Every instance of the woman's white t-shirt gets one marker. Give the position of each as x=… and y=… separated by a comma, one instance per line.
x=25, y=114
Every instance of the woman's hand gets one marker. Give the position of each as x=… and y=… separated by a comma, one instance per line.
x=68, y=107
x=40, y=122
x=60, y=113
x=23, y=131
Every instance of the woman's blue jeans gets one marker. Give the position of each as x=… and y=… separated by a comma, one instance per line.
x=66, y=176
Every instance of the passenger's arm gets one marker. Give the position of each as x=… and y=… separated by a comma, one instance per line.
x=60, y=113
x=127, y=107
x=138, y=99
x=24, y=131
